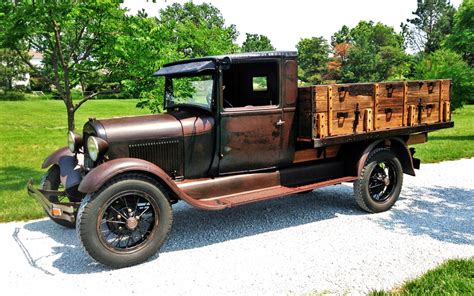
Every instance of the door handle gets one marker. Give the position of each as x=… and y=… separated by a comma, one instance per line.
x=280, y=122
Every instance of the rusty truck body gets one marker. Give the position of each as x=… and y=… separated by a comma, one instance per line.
x=236, y=129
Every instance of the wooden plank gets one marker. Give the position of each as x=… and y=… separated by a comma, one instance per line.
x=427, y=91
x=440, y=114
x=389, y=117
x=417, y=139
x=329, y=113
x=430, y=113
x=344, y=123
x=321, y=122
x=446, y=111
x=375, y=104
x=316, y=153
x=404, y=111
x=368, y=125
x=411, y=118
x=391, y=93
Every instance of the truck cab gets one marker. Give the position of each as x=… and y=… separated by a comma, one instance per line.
x=252, y=101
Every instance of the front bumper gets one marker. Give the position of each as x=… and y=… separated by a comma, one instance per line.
x=57, y=210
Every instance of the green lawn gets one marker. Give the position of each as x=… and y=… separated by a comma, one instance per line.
x=30, y=130
x=452, y=143
x=454, y=277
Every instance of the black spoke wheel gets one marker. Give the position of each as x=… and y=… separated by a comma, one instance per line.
x=380, y=182
x=126, y=222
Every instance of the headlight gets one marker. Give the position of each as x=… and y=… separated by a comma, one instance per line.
x=74, y=141
x=95, y=147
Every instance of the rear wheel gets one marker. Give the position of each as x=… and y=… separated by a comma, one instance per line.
x=380, y=182
x=126, y=222
x=51, y=181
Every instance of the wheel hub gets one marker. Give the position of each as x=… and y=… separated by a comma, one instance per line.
x=132, y=223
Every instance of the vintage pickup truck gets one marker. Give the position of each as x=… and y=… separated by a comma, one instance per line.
x=237, y=129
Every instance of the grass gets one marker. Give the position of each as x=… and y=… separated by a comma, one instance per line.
x=32, y=129
x=452, y=143
x=454, y=277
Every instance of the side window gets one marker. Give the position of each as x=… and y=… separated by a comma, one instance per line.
x=259, y=83
x=251, y=84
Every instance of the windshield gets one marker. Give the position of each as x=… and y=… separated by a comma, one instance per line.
x=196, y=90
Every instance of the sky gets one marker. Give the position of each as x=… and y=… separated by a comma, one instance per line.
x=286, y=22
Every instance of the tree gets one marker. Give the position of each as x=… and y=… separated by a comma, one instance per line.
x=198, y=30
x=443, y=64
x=181, y=31
x=433, y=21
x=313, y=56
x=256, y=42
x=75, y=37
x=370, y=52
x=462, y=38
x=144, y=47
x=11, y=67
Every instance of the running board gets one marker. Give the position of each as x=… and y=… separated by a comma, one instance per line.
x=252, y=196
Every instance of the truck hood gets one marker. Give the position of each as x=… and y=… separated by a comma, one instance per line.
x=137, y=128
x=176, y=123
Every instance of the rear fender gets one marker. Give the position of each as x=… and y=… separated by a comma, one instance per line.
x=398, y=147
x=54, y=157
x=97, y=177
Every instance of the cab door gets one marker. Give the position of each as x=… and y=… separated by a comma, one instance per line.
x=251, y=121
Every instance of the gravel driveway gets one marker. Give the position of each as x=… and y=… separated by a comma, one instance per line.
x=315, y=242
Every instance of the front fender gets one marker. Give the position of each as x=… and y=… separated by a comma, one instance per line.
x=54, y=157
x=96, y=178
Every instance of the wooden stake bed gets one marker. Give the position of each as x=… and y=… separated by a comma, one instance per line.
x=365, y=109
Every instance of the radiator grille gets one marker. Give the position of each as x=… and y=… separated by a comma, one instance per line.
x=167, y=154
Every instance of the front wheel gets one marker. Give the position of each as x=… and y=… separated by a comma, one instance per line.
x=380, y=182
x=126, y=222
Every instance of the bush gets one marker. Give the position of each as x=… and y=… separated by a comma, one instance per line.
x=12, y=96
x=39, y=84
x=443, y=64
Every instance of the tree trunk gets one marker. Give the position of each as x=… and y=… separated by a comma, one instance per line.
x=70, y=111
x=70, y=120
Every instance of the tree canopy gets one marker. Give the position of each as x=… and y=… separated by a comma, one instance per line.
x=368, y=52
x=462, y=38
x=432, y=22
x=256, y=42
x=73, y=36
x=313, y=56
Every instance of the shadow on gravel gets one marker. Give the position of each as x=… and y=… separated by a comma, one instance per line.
x=443, y=213
x=72, y=260
x=196, y=228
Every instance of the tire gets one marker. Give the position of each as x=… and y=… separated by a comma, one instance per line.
x=380, y=181
x=51, y=181
x=125, y=222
